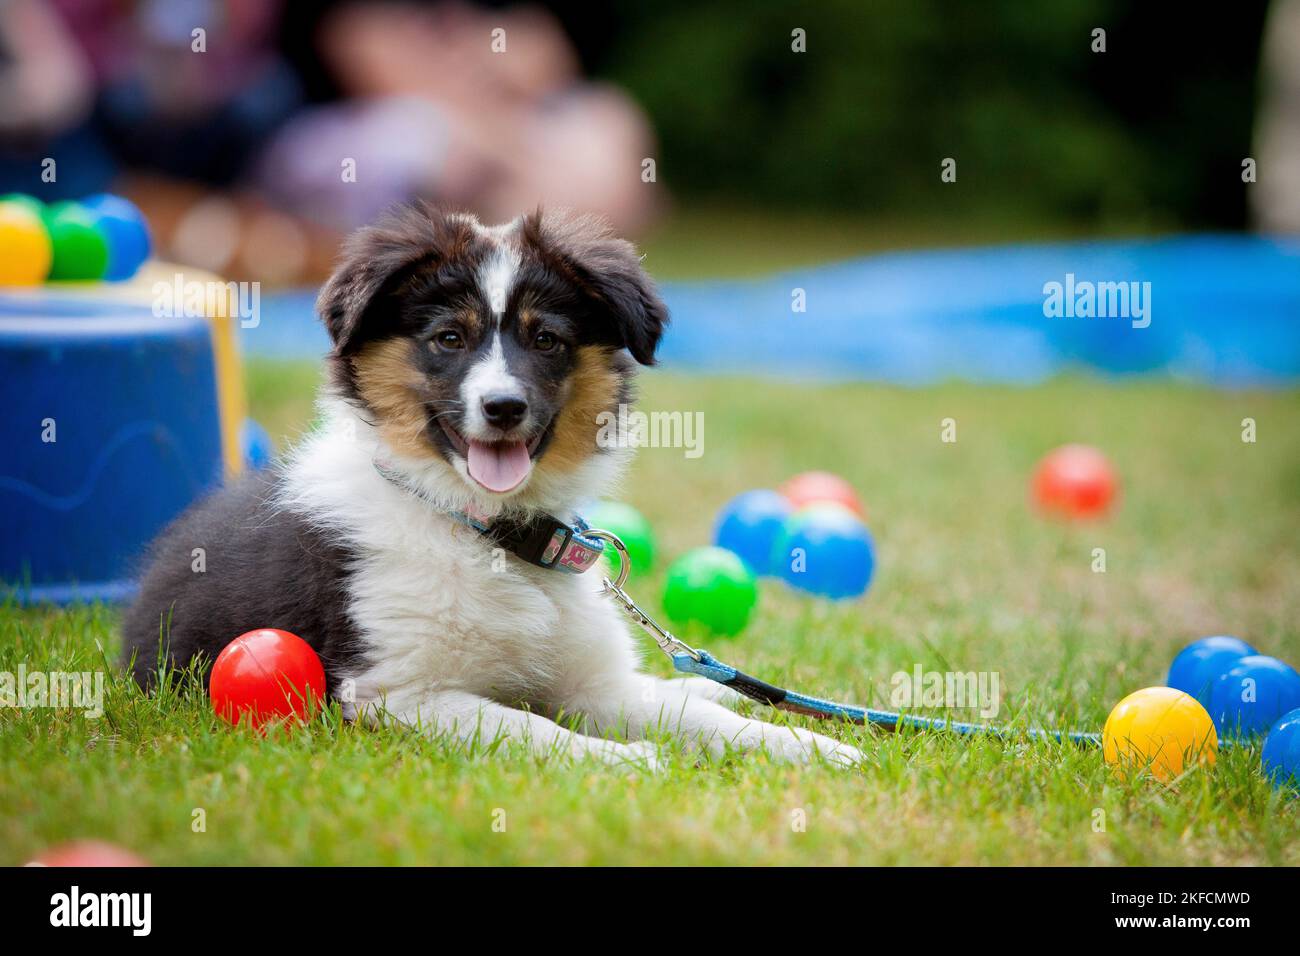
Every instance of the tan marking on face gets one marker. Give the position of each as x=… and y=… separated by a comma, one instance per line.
x=529, y=323
x=594, y=387
x=394, y=388
x=473, y=323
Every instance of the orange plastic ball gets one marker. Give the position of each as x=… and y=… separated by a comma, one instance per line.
x=814, y=487
x=1160, y=728
x=1075, y=481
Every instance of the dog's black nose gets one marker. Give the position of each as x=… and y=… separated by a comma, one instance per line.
x=504, y=411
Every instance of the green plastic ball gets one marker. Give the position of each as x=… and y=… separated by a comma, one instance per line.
x=711, y=590
x=632, y=529
x=80, y=249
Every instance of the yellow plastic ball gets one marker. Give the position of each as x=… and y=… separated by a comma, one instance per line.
x=25, y=249
x=1160, y=728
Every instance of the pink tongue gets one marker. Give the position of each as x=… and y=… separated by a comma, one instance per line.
x=499, y=467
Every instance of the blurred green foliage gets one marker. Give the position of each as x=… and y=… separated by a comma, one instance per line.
x=1151, y=131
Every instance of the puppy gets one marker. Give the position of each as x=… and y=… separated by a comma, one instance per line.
x=469, y=368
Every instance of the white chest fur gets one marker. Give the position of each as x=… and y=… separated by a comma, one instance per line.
x=436, y=605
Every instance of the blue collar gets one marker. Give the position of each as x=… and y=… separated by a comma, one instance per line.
x=539, y=539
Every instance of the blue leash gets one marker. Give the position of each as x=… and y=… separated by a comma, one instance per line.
x=706, y=665
x=691, y=660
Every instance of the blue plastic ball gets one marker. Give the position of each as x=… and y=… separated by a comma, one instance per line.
x=825, y=550
x=1281, y=755
x=1252, y=695
x=749, y=524
x=1201, y=663
x=125, y=229
x=256, y=444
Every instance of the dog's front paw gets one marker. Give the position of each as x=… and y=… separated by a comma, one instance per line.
x=802, y=746
x=642, y=754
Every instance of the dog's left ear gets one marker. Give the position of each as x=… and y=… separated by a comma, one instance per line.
x=607, y=271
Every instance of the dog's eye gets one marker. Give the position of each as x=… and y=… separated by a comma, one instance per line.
x=545, y=342
x=449, y=340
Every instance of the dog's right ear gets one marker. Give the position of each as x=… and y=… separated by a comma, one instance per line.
x=376, y=262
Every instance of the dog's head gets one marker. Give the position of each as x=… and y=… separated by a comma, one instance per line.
x=490, y=353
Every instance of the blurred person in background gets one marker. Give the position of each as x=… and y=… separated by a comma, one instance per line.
x=479, y=109
x=167, y=102
x=214, y=137
x=1277, y=135
x=102, y=86
x=46, y=88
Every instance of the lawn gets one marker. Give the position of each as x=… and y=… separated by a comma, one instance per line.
x=969, y=579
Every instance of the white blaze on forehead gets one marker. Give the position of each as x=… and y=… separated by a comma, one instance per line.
x=490, y=375
x=497, y=275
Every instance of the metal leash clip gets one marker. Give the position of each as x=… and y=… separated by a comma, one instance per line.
x=669, y=644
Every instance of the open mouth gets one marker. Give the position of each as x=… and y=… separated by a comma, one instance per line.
x=498, y=466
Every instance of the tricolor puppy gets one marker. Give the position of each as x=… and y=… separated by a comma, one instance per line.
x=411, y=539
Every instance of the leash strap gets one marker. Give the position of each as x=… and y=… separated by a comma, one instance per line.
x=542, y=539
x=706, y=665
x=699, y=662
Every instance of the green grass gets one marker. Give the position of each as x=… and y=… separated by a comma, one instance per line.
x=1204, y=542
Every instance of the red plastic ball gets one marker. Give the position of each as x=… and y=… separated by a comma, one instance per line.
x=813, y=487
x=266, y=675
x=87, y=853
x=1075, y=481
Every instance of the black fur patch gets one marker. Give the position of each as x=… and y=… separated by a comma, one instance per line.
x=263, y=569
